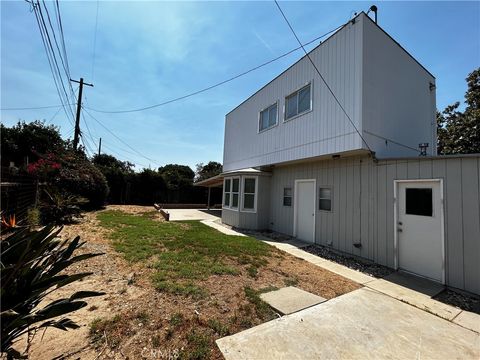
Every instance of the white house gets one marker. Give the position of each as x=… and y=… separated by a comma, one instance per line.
x=352, y=179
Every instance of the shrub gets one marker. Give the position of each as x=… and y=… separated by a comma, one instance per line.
x=32, y=261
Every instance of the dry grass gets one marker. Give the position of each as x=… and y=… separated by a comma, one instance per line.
x=137, y=318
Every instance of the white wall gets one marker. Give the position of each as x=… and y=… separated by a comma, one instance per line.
x=397, y=101
x=322, y=131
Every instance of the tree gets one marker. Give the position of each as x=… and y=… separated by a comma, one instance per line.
x=117, y=174
x=176, y=176
x=207, y=171
x=459, y=132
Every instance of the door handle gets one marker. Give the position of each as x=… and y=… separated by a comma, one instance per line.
x=399, y=230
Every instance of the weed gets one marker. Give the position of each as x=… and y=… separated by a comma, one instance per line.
x=217, y=326
x=199, y=346
x=291, y=281
x=98, y=327
x=142, y=316
x=156, y=341
x=252, y=271
x=176, y=319
x=262, y=309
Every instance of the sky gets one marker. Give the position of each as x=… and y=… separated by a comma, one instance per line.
x=140, y=53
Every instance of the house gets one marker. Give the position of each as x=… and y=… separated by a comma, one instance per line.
x=355, y=168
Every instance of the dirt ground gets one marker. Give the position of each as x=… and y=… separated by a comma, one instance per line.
x=143, y=325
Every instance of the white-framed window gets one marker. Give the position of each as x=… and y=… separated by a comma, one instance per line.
x=235, y=191
x=287, y=196
x=268, y=117
x=227, y=191
x=231, y=190
x=298, y=102
x=325, y=198
x=249, y=194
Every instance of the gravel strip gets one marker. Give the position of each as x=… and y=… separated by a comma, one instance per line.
x=351, y=262
x=460, y=300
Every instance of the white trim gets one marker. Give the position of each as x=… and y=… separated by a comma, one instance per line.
x=255, y=198
x=295, y=206
x=276, y=122
x=230, y=207
x=293, y=92
x=395, y=220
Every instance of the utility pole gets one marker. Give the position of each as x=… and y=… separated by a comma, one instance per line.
x=79, y=107
x=100, y=147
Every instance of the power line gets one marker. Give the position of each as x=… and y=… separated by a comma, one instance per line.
x=319, y=74
x=196, y=92
x=119, y=139
x=217, y=84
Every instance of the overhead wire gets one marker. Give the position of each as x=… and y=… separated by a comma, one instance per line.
x=321, y=76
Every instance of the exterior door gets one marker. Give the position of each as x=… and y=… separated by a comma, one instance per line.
x=419, y=229
x=305, y=210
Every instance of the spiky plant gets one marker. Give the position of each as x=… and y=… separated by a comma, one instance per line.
x=31, y=268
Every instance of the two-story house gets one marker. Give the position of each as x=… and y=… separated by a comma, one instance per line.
x=336, y=161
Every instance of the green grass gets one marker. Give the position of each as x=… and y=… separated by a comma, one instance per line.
x=182, y=253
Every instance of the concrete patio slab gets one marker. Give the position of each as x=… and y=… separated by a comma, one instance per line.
x=290, y=299
x=362, y=324
x=414, y=291
x=468, y=320
x=193, y=214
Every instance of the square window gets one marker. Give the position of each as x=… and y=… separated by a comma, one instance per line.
x=419, y=201
x=249, y=186
x=298, y=102
x=249, y=201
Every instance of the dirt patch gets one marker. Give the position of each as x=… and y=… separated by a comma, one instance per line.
x=133, y=320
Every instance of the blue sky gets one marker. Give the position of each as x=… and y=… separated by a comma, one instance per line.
x=150, y=52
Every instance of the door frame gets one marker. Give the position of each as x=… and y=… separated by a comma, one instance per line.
x=295, y=206
x=395, y=219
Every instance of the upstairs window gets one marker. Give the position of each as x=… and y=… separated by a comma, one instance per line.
x=249, y=190
x=325, y=199
x=298, y=102
x=287, y=196
x=268, y=117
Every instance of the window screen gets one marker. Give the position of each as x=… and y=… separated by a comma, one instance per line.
x=325, y=199
x=419, y=201
x=287, y=196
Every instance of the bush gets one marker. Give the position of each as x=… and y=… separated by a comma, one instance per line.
x=32, y=261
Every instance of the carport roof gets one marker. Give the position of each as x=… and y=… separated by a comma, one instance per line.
x=214, y=181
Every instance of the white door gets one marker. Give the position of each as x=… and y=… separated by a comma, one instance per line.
x=419, y=228
x=305, y=210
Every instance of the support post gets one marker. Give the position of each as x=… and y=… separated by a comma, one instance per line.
x=208, y=201
x=79, y=107
x=99, y=146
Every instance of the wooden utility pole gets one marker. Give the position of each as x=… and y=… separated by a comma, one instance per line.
x=79, y=107
x=99, y=146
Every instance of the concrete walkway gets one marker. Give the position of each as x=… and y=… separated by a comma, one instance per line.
x=193, y=214
x=362, y=324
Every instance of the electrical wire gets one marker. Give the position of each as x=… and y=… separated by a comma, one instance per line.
x=119, y=139
x=199, y=91
x=321, y=76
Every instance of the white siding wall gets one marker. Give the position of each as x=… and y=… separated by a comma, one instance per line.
x=363, y=206
x=397, y=101
x=322, y=131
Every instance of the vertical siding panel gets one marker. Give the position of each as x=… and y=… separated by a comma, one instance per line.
x=365, y=214
x=413, y=169
x=343, y=206
x=336, y=204
x=471, y=225
x=381, y=215
x=425, y=169
x=373, y=210
x=402, y=171
x=350, y=203
x=391, y=176
x=453, y=193
x=356, y=181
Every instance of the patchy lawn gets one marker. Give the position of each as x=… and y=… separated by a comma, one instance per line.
x=173, y=288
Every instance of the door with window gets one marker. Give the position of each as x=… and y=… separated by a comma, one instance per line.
x=305, y=210
x=419, y=228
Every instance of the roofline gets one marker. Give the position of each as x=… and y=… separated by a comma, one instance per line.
x=323, y=42
x=296, y=62
x=400, y=46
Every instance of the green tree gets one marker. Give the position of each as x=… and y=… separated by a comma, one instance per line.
x=459, y=132
x=117, y=173
x=176, y=176
x=207, y=171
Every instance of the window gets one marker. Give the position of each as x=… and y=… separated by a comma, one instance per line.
x=325, y=199
x=298, y=102
x=235, y=186
x=226, y=193
x=268, y=117
x=249, y=185
x=287, y=196
x=418, y=202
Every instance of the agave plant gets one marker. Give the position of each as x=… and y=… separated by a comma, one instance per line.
x=31, y=268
